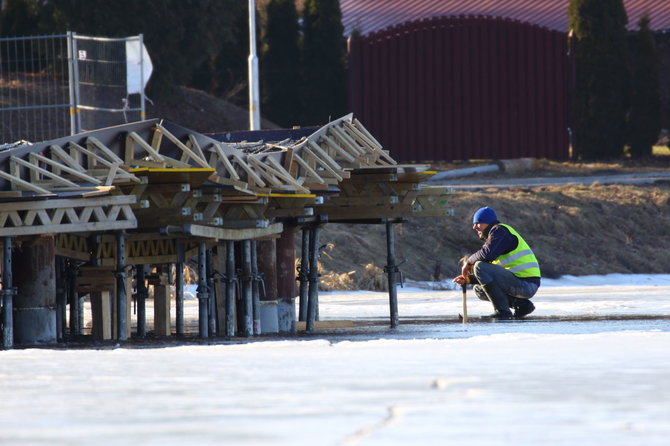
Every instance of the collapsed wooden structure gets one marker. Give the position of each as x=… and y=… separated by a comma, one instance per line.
x=91, y=207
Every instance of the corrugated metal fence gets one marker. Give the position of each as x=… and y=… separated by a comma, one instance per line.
x=452, y=88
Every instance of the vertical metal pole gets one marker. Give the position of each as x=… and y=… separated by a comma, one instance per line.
x=255, y=290
x=203, y=313
x=248, y=328
x=7, y=296
x=254, y=95
x=75, y=83
x=392, y=271
x=73, y=297
x=121, y=292
x=179, y=296
x=61, y=300
x=303, y=274
x=179, y=288
x=212, y=295
x=231, y=278
x=141, y=296
x=313, y=292
x=142, y=96
x=70, y=71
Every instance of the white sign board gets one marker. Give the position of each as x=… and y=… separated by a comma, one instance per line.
x=137, y=57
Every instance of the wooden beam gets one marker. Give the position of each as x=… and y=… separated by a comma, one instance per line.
x=321, y=155
x=74, y=172
x=250, y=172
x=262, y=170
x=68, y=227
x=108, y=164
x=57, y=151
x=233, y=234
x=196, y=147
x=283, y=173
x=93, y=142
x=226, y=162
x=307, y=168
x=153, y=153
x=339, y=150
x=338, y=174
x=67, y=202
x=182, y=146
x=18, y=182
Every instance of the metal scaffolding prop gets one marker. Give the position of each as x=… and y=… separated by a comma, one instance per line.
x=163, y=190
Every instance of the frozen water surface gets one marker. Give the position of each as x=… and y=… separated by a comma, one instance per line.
x=591, y=368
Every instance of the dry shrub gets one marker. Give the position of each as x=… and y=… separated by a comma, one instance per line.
x=331, y=281
x=373, y=278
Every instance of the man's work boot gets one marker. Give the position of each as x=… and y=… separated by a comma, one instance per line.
x=480, y=293
x=499, y=300
x=522, y=307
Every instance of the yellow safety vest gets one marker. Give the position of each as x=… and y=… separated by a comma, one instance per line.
x=521, y=261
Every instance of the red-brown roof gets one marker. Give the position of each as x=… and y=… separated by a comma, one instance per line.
x=368, y=16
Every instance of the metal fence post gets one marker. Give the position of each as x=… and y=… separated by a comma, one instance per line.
x=142, y=95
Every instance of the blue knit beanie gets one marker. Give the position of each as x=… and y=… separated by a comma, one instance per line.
x=484, y=215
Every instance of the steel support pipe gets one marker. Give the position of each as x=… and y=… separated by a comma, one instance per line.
x=212, y=295
x=8, y=292
x=179, y=297
x=61, y=297
x=303, y=274
x=313, y=291
x=121, y=292
x=179, y=288
x=392, y=272
x=247, y=298
x=141, y=299
x=73, y=297
x=231, y=280
x=255, y=290
x=203, y=295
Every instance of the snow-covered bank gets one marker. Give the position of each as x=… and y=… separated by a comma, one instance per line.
x=610, y=295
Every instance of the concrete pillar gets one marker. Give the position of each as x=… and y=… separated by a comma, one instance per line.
x=162, y=325
x=286, y=280
x=35, y=302
x=267, y=266
x=115, y=311
x=101, y=309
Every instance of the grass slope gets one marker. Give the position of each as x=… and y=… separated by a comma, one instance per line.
x=577, y=230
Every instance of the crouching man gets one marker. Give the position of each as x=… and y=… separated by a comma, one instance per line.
x=505, y=270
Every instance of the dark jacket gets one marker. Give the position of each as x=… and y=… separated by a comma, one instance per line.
x=499, y=241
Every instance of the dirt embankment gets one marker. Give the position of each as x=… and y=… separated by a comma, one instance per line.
x=573, y=229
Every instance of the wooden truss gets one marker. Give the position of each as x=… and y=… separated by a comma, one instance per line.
x=59, y=216
x=154, y=177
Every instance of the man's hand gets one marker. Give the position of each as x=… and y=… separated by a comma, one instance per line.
x=461, y=280
x=466, y=269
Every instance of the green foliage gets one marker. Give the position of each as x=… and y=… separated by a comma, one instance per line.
x=325, y=92
x=645, y=103
x=19, y=17
x=599, y=109
x=280, y=64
